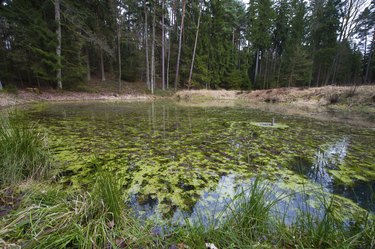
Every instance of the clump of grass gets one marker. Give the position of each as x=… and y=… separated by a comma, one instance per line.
x=83, y=219
x=247, y=222
x=315, y=227
x=23, y=152
x=108, y=193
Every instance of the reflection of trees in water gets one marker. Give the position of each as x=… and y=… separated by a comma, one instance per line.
x=328, y=159
x=362, y=193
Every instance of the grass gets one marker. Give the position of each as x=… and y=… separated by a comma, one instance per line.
x=51, y=217
x=23, y=152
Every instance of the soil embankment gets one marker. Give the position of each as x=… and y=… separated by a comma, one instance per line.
x=339, y=96
x=32, y=95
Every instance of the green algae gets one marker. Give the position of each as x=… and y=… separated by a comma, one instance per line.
x=172, y=154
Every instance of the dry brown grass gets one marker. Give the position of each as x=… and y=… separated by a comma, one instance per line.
x=206, y=94
x=320, y=96
x=317, y=96
x=94, y=90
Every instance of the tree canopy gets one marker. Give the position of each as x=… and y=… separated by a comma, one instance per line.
x=259, y=44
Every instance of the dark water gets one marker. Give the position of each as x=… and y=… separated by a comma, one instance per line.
x=171, y=159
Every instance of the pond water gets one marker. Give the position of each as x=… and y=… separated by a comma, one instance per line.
x=172, y=159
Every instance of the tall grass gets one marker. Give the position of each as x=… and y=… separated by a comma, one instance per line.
x=100, y=219
x=85, y=219
x=23, y=152
x=247, y=222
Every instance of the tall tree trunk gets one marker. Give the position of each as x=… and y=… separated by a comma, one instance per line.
x=256, y=67
x=58, y=48
x=153, y=52
x=180, y=44
x=88, y=69
x=318, y=78
x=195, y=47
x=168, y=60
x=279, y=72
x=369, y=59
x=163, y=47
x=146, y=41
x=265, y=74
x=102, y=64
x=118, y=26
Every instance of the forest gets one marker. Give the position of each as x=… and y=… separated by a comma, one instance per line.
x=218, y=44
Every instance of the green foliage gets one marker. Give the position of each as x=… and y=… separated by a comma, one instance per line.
x=11, y=89
x=239, y=46
x=23, y=152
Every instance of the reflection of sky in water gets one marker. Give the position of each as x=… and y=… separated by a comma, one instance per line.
x=209, y=206
x=361, y=193
x=325, y=160
x=212, y=204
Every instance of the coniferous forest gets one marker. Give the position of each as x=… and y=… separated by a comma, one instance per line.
x=230, y=44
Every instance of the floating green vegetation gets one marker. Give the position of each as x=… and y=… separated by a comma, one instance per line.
x=171, y=155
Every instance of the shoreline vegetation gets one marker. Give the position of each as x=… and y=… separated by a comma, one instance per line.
x=37, y=212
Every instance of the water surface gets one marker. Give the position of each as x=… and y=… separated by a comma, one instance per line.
x=172, y=159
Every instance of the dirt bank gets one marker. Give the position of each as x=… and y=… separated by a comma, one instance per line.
x=340, y=97
x=32, y=95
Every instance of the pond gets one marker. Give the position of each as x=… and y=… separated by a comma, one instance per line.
x=173, y=160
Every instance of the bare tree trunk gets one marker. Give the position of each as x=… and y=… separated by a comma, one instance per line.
x=88, y=66
x=256, y=66
x=318, y=78
x=279, y=72
x=102, y=64
x=146, y=41
x=153, y=52
x=163, y=47
x=180, y=44
x=58, y=48
x=118, y=25
x=369, y=59
x=168, y=60
x=195, y=47
x=265, y=74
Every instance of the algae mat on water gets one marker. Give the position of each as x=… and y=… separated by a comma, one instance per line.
x=168, y=156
